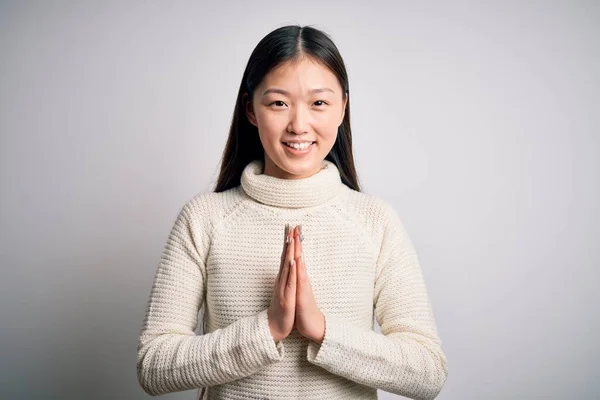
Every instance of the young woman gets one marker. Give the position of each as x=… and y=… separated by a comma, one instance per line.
x=289, y=310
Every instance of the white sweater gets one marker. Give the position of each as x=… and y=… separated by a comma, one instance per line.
x=224, y=252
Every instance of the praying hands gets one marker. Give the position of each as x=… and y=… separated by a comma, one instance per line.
x=293, y=303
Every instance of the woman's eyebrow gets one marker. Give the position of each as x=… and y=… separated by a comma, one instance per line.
x=281, y=91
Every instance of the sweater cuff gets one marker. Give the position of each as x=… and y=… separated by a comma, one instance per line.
x=275, y=350
x=334, y=333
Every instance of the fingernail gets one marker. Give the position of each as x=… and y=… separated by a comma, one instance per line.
x=301, y=235
x=286, y=233
x=292, y=262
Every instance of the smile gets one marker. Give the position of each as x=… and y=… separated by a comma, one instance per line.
x=298, y=149
x=299, y=146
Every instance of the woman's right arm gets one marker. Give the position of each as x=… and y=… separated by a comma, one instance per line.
x=171, y=357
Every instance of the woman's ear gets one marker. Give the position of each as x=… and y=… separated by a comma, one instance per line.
x=249, y=109
x=344, y=103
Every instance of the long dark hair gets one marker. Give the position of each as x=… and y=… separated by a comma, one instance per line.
x=287, y=43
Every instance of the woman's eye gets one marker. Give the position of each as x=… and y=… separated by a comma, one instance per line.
x=322, y=103
x=279, y=103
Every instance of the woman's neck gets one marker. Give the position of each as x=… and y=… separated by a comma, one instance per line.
x=291, y=193
x=272, y=169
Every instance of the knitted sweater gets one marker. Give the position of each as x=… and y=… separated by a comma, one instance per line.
x=223, y=252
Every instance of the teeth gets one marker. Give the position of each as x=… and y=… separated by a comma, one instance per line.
x=299, y=146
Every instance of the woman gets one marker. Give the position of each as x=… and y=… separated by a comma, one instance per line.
x=290, y=316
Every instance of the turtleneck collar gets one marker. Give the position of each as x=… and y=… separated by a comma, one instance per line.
x=291, y=193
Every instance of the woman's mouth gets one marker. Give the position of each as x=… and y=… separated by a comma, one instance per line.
x=298, y=148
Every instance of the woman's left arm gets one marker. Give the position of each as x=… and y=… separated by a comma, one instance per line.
x=406, y=358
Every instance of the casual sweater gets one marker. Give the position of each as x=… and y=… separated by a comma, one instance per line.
x=224, y=252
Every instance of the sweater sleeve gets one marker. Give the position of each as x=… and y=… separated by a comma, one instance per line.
x=170, y=355
x=406, y=358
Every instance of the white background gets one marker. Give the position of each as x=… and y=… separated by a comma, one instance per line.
x=478, y=121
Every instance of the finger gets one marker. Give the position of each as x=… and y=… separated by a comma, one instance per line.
x=290, y=288
x=285, y=245
x=290, y=249
x=298, y=254
x=298, y=242
x=286, y=264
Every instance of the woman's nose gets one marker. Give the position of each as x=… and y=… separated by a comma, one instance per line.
x=298, y=120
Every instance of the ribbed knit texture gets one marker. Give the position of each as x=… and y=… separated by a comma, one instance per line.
x=223, y=252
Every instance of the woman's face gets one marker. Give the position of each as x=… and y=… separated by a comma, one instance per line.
x=299, y=102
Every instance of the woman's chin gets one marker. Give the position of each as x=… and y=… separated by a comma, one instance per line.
x=293, y=168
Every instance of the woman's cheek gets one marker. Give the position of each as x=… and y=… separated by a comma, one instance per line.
x=274, y=124
x=327, y=120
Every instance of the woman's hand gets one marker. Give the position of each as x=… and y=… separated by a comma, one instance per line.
x=310, y=321
x=281, y=312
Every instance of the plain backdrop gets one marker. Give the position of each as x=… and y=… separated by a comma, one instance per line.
x=478, y=121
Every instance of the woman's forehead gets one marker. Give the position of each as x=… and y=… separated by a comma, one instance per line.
x=305, y=75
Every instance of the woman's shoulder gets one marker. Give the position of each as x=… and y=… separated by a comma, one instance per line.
x=212, y=206
x=373, y=207
x=377, y=215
